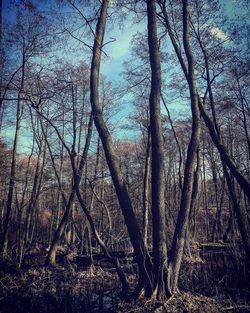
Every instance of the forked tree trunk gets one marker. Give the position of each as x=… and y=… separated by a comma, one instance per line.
x=225, y=157
x=187, y=190
x=51, y=258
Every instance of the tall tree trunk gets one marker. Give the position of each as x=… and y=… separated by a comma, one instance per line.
x=143, y=259
x=4, y=243
x=1, y=62
x=193, y=203
x=146, y=187
x=187, y=190
x=32, y=201
x=225, y=158
x=20, y=230
x=157, y=172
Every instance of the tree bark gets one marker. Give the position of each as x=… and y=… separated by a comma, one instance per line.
x=160, y=288
x=142, y=255
x=225, y=157
x=77, y=177
x=187, y=190
x=146, y=187
x=4, y=243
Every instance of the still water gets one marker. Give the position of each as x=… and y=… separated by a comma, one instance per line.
x=220, y=275
x=102, y=302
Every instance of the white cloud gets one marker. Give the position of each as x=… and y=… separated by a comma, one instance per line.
x=118, y=50
x=220, y=34
x=120, y=47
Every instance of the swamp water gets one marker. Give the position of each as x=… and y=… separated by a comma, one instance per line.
x=102, y=302
x=219, y=275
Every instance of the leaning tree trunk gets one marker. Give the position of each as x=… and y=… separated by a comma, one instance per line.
x=225, y=157
x=142, y=255
x=227, y=163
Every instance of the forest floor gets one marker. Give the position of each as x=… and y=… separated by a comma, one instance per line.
x=72, y=287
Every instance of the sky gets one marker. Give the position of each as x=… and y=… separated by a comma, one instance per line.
x=118, y=52
x=112, y=67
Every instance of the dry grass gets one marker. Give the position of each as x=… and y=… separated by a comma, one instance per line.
x=183, y=302
x=71, y=280
x=60, y=280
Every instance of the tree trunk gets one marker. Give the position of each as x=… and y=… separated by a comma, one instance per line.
x=142, y=255
x=4, y=243
x=146, y=187
x=160, y=288
x=242, y=181
x=113, y=260
x=187, y=190
x=193, y=203
x=25, y=237
x=225, y=157
x=77, y=177
x=228, y=163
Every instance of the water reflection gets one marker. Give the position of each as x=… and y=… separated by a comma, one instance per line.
x=220, y=275
x=102, y=302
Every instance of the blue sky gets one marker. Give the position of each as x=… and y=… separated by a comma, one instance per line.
x=112, y=67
